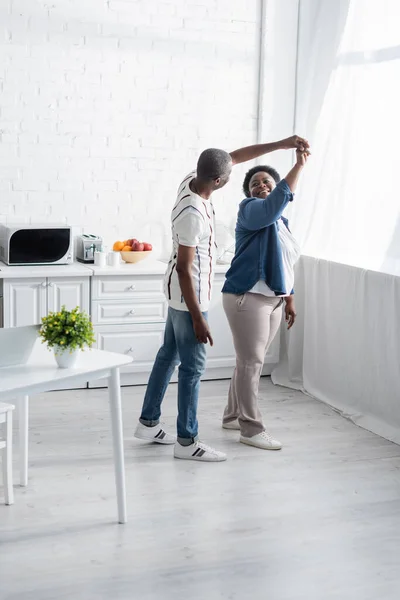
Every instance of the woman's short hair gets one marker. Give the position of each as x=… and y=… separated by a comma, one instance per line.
x=258, y=169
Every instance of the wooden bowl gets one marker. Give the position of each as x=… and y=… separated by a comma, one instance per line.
x=135, y=257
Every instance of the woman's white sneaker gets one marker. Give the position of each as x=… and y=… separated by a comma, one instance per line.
x=231, y=425
x=155, y=434
x=198, y=451
x=262, y=440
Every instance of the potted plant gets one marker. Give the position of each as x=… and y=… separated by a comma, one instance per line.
x=67, y=332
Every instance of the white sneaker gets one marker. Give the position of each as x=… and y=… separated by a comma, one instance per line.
x=198, y=451
x=231, y=425
x=154, y=434
x=262, y=440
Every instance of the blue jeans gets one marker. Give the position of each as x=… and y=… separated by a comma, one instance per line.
x=180, y=346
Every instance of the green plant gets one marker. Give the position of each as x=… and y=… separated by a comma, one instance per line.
x=70, y=329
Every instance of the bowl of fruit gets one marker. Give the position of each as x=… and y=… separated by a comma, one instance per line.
x=133, y=251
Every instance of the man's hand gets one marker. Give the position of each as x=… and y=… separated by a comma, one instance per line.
x=290, y=312
x=294, y=141
x=202, y=331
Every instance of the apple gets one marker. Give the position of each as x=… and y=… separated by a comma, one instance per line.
x=131, y=241
x=137, y=246
x=147, y=247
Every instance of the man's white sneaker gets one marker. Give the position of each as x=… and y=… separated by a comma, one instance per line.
x=198, y=451
x=154, y=434
x=231, y=425
x=262, y=440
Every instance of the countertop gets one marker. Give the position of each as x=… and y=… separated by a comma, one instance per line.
x=76, y=269
x=148, y=266
x=145, y=267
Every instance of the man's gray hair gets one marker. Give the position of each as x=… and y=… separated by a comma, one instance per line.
x=214, y=163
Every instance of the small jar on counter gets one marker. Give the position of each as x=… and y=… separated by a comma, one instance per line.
x=114, y=259
x=100, y=258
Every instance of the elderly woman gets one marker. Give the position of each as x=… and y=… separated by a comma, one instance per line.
x=257, y=284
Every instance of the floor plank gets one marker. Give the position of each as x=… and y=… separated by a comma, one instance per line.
x=319, y=520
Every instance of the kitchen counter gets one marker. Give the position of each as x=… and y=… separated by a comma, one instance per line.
x=76, y=269
x=145, y=267
x=127, y=308
x=148, y=266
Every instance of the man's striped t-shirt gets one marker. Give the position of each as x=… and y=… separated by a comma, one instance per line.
x=193, y=225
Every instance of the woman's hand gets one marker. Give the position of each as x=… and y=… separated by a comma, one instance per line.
x=302, y=157
x=294, y=141
x=292, y=177
x=290, y=311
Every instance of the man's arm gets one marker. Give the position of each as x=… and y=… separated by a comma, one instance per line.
x=252, y=152
x=184, y=262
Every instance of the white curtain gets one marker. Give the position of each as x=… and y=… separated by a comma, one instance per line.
x=345, y=346
x=347, y=207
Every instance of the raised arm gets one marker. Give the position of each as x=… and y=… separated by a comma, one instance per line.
x=252, y=152
x=292, y=178
x=257, y=213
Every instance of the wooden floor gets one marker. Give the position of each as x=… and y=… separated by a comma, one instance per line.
x=317, y=521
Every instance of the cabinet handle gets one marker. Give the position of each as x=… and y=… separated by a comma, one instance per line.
x=43, y=284
x=131, y=312
x=51, y=284
x=132, y=288
x=129, y=351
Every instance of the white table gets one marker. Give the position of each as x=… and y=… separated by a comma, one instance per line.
x=41, y=374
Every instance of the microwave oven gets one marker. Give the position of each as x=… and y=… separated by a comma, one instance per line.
x=31, y=244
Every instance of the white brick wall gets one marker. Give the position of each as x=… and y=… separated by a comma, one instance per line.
x=105, y=105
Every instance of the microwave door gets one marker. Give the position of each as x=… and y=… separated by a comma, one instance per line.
x=38, y=246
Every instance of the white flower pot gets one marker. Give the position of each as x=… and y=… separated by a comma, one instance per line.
x=65, y=357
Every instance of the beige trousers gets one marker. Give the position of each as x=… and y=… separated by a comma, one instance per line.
x=254, y=320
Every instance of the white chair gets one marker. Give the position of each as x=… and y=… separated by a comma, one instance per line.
x=6, y=450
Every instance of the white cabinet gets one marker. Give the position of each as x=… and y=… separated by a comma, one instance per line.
x=128, y=311
x=24, y=301
x=141, y=342
x=123, y=287
x=220, y=356
x=27, y=300
x=129, y=314
x=69, y=292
